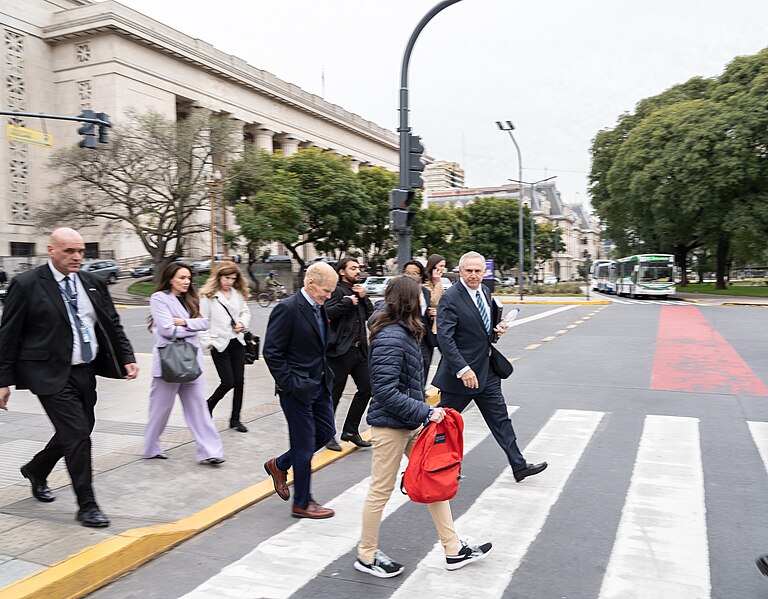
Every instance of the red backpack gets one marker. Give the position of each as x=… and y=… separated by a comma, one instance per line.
x=434, y=466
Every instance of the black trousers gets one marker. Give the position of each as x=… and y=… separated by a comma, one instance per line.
x=230, y=366
x=490, y=401
x=355, y=363
x=71, y=412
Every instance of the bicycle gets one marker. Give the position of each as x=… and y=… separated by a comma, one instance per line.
x=266, y=298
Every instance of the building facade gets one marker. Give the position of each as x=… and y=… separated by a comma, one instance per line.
x=441, y=175
x=580, y=232
x=64, y=56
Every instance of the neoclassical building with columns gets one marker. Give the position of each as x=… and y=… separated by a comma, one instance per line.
x=65, y=56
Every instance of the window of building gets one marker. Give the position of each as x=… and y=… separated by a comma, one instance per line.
x=20, y=248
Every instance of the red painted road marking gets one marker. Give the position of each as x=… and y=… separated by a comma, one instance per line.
x=692, y=356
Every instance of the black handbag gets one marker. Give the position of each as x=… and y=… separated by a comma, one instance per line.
x=252, y=345
x=252, y=342
x=178, y=361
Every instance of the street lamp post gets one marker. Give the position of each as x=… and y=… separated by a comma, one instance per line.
x=404, y=131
x=509, y=127
x=213, y=184
x=533, y=250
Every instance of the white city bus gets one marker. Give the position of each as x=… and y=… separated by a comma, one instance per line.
x=597, y=270
x=603, y=276
x=645, y=275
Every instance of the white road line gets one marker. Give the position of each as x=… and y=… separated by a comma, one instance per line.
x=661, y=545
x=509, y=514
x=271, y=570
x=759, y=432
x=528, y=319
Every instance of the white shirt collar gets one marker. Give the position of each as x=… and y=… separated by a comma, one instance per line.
x=312, y=302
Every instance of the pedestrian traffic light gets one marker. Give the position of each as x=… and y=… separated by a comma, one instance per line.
x=103, y=127
x=415, y=163
x=400, y=220
x=401, y=199
x=87, y=130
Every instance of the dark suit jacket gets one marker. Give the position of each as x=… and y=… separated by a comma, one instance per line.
x=36, y=335
x=462, y=339
x=344, y=317
x=294, y=351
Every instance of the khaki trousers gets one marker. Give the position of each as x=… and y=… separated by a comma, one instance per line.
x=389, y=445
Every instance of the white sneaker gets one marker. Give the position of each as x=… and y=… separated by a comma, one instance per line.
x=467, y=554
x=382, y=567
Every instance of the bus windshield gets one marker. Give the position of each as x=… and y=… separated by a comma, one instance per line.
x=655, y=272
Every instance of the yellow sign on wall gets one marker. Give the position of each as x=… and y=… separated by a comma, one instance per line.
x=29, y=136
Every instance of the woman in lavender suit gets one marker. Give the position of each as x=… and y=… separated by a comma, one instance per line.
x=175, y=307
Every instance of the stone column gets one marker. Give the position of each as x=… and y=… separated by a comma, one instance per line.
x=264, y=139
x=289, y=144
x=354, y=165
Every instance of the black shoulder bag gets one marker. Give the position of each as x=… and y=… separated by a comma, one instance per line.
x=252, y=342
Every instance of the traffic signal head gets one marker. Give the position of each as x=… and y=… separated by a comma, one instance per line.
x=401, y=199
x=103, y=127
x=87, y=130
x=415, y=163
x=401, y=219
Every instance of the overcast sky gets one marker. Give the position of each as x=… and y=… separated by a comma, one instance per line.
x=560, y=70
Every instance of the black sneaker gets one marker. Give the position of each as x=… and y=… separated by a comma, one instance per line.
x=467, y=554
x=382, y=567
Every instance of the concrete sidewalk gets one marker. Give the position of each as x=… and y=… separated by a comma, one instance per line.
x=152, y=504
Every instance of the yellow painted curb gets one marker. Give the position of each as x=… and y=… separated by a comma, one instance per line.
x=563, y=302
x=96, y=566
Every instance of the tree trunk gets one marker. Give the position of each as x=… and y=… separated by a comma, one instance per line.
x=681, y=259
x=723, y=249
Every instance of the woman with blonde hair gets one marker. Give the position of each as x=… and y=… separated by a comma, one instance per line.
x=223, y=300
x=175, y=313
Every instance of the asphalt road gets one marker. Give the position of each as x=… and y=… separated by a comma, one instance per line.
x=653, y=419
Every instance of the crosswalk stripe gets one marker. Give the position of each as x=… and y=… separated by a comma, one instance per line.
x=661, y=547
x=562, y=440
x=272, y=570
x=759, y=432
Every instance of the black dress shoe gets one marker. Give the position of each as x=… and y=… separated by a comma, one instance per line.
x=92, y=517
x=355, y=438
x=333, y=445
x=529, y=470
x=40, y=490
x=238, y=426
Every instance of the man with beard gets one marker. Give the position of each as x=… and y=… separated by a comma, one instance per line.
x=348, y=310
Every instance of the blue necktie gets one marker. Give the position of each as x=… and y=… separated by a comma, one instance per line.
x=319, y=320
x=85, y=346
x=483, y=312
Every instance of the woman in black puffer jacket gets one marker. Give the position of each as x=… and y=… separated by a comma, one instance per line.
x=396, y=414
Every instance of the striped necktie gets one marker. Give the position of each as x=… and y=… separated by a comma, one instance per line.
x=85, y=345
x=483, y=312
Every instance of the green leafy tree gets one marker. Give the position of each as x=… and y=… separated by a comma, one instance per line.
x=436, y=229
x=151, y=179
x=311, y=197
x=376, y=240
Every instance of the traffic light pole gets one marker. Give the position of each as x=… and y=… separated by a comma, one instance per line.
x=404, y=232
x=88, y=116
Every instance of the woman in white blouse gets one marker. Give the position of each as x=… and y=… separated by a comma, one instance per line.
x=223, y=302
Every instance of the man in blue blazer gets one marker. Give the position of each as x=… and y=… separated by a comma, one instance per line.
x=295, y=352
x=465, y=331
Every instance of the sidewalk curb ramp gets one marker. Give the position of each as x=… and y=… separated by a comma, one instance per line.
x=96, y=566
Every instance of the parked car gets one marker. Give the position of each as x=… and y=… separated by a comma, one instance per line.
x=202, y=265
x=446, y=283
x=332, y=261
x=106, y=269
x=550, y=280
x=508, y=281
x=277, y=258
x=145, y=269
x=376, y=285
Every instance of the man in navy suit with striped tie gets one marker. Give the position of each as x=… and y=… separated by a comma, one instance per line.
x=465, y=333
x=295, y=351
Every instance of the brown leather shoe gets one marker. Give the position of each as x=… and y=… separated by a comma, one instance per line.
x=314, y=510
x=279, y=478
